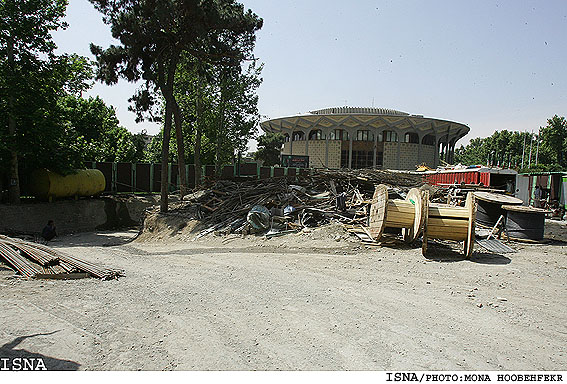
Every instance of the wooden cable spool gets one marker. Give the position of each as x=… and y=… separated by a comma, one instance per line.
x=446, y=222
x=408, y=214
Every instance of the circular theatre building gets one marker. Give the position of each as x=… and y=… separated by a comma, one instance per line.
x=348, y=137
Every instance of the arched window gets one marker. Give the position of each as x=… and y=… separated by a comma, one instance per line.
x=389, y=136
x=428, y=140
x=316, y=134
x=339, y=134
x=411, y=137
x=286, y=138
x=364, y=135
x=298, y=136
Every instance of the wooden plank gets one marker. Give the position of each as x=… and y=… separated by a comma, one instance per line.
x=449, y=224
x=61, y=276
x=400, y=223
x=498, y=198
x=447, y=211
x=469, y=242
x=378, y=212
x=400, y=206
x=446, y=236
x=398, y=213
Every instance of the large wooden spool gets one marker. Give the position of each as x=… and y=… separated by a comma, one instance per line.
x=447, y=222
x=408, y=214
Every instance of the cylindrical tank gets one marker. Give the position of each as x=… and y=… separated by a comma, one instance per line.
x=45, y=184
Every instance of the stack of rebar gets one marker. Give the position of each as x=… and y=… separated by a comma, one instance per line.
x=17, y=261
x=95, y=270
x=38, y=260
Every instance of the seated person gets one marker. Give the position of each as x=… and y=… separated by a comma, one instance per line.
x=49, y=232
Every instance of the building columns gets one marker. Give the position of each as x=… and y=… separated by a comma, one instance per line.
x=375, y=148
x=436, y=153
x=327, y=150
x=419, y=138
x=398, y=152
x=291, y=143
x=350, y=151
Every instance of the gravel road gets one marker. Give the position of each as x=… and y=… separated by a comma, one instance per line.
x=295, y=303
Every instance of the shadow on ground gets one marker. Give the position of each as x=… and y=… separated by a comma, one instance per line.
x=448, y=254
x=51, y=363
x=95, y=239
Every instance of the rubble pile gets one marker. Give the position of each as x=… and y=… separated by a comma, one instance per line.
x=287, y=204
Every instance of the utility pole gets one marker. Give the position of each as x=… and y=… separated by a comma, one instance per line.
x=14, y=186
x=537, y=150
x=523, y=152
x=531, y=143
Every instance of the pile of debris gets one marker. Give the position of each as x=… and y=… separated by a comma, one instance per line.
x=34, y=260
x=288, y=204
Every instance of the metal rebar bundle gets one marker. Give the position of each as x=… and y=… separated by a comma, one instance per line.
x=40, y=256
x=31, y=260
x=20, y=263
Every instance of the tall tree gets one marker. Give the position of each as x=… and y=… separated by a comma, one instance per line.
x=554, y=141
x=153, y=36
x=94, y=130
x=269, y=146
x=26, y=47
x=506, y=148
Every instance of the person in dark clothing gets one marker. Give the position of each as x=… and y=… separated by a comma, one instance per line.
x=49, y=231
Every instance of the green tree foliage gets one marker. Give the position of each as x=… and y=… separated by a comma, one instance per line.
x=269, y=145
x=94, y=131
x=554, y=142
x=507, y=149
x=30, y=74
x=154, y=35
x=44, y=121
x=228, y=116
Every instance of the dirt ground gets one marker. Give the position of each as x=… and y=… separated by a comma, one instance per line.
x=311, y=301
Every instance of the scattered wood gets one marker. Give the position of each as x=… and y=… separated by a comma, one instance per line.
x=307, y=200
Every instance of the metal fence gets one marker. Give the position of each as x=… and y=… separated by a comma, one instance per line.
x=144, y=177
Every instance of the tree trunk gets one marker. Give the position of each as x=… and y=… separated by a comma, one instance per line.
x=218, y=160
x=14, y=184
x=198, y=134
x=180, y=148
x=165, y=156
x=167, y=92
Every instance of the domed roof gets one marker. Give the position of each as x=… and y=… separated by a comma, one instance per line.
x=354, y=118
x=364, y=110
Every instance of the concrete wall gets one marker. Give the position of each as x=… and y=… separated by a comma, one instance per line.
x=316, y=152
x=428, y=155
x=390, y=155
x=409, y=155
x=71, y=216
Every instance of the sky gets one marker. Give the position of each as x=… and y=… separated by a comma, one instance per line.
x=491, y=65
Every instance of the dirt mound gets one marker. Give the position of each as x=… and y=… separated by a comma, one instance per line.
x=167, y=227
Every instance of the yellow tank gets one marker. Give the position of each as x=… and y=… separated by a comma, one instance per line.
x=45, y=184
